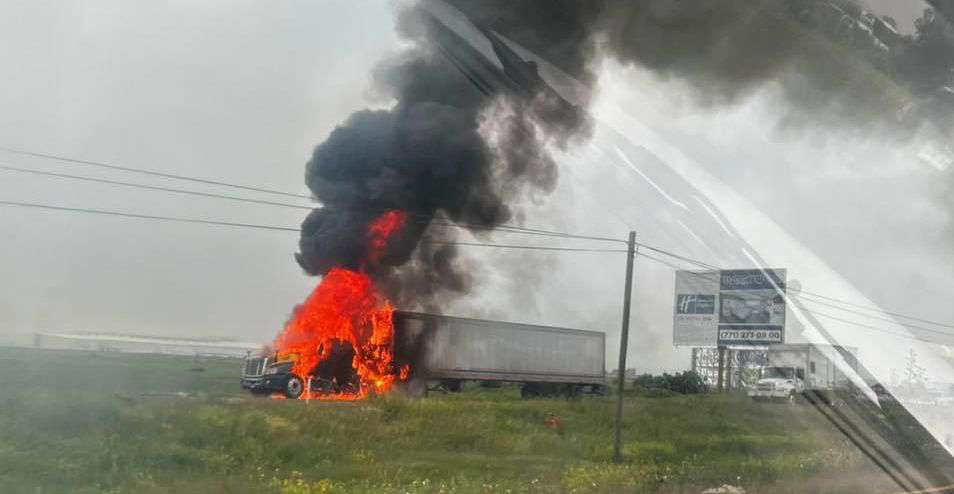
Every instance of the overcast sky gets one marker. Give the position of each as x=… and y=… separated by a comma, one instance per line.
x=240, y=91
x=903, y=11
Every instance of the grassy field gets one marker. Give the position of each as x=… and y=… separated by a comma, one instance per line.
x=88, y=422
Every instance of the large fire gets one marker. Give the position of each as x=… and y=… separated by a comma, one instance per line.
x=347, y=315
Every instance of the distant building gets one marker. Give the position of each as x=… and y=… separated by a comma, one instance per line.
x=143, y=344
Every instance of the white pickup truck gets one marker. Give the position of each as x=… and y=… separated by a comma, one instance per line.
x=779, y=383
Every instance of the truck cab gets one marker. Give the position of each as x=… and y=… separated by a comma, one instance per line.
x=273, y=373
x=779, y=383
x=266, y=374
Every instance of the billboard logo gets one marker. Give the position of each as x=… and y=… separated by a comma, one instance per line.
x=695, y=304
x=750, y=279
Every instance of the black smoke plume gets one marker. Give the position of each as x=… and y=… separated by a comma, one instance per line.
x=434, y=154
x=462, y=150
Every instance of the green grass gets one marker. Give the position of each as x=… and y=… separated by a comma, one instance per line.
x=85, y=422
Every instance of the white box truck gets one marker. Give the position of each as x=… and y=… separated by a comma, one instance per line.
x=793, y=369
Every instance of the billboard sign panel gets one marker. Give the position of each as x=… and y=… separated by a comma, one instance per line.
x=695, y=304
x=729, y=307
x=696, y=314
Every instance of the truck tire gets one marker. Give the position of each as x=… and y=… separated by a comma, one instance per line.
x=528, y=390
x=415, y=387
x=573, y=391
x=294, y=387
x=453, y=385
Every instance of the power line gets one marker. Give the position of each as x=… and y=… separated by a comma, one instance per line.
x=270, y=227
x=151, y=172
x=527, y=247
x=147, y=216
x=677, y=256
x=433, y=219
x=874, y=328
x=912, y=326
x=151, y=187
x=803, y=292
x=426, y=217
x=660, y=261
x=829, y=316
x=521, y=230
x=822, y=314
x=907, y=325
x=438, y=242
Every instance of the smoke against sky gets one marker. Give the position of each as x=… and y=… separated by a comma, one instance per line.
x=245, y=91
x=433, y=153
x=904, y=13
x=238, y=91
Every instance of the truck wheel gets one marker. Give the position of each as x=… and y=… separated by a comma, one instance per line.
x=294, y=387
x=416, y=387
x=453, y=385
x=573, y=391
x=528, y=390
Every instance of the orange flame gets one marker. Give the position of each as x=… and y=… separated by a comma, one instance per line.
x=381, y=230
x=347, y=308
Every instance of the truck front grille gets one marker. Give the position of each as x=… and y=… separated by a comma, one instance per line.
x=254, y=367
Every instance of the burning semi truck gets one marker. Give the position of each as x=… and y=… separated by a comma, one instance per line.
x=346, y=341
x=431, y=348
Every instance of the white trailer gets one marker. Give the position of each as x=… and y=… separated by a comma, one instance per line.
x=456, y=349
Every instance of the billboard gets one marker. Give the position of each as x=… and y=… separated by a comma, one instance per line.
x=732, y=307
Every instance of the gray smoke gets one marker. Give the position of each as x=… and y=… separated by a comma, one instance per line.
x=833, y=68
x=841, y=71
x=450, y=149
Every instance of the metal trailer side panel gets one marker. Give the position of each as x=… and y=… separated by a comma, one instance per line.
x=462, y=348
x=787, y=358
x=828, y=373
x=820, y=370
x=851, y=359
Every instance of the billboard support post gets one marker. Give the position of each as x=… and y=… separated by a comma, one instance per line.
x=728, y=369
x=623, y=347
x=720, y=379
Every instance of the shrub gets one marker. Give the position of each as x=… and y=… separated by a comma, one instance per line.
x=687, y=382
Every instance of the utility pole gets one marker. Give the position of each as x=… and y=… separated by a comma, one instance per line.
x=623, y=346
